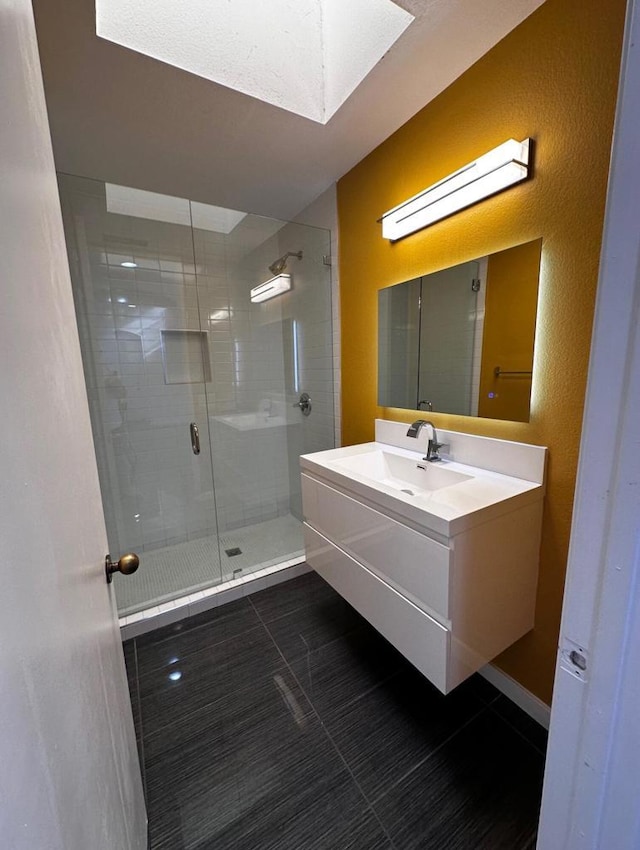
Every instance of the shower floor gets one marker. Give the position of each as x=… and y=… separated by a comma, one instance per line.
x=175, y=571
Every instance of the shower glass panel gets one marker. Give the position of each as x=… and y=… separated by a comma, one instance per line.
x=263, y=356
x=171, y=342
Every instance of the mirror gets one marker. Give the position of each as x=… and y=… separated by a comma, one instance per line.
x=460, y=340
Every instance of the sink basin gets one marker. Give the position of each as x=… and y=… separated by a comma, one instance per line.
x=487, y=478
x=401, y=473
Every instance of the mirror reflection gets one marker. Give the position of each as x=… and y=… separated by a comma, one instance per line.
x=461, y=340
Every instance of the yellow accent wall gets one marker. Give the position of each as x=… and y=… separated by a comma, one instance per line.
x=554, y=78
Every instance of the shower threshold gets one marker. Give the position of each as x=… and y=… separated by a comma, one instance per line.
x=145, y=621
x=172, y=573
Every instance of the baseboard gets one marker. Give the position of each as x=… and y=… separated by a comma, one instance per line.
x=523, y=698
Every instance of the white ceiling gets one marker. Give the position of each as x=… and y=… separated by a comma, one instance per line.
x=126, y=118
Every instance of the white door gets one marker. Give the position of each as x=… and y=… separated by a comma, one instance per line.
x=69, y=776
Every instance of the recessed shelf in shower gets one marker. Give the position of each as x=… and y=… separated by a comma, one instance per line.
x=185, y=357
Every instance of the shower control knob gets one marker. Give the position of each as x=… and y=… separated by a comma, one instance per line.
x=127, y=564
x=304, y=403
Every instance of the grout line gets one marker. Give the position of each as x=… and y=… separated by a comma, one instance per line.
x=326, y=731
x=519, y=731
x=287, y=613
x=430, y=755
x=154, y=670
x=215, y=612
x=184, y=718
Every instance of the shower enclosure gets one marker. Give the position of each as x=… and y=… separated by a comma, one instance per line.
x=193, y=388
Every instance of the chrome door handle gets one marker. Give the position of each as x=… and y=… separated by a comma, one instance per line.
x=304, y=403
x=195, y=438
x=126, y=564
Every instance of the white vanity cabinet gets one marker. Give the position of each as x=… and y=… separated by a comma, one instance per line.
x=449, y=602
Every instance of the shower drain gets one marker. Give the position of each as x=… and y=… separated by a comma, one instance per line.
x=231, y=552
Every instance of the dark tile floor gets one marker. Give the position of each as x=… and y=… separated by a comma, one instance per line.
x=283, y=721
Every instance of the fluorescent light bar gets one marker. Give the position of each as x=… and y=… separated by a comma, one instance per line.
x=296, y=359
x=270, y=288
x=496, y=170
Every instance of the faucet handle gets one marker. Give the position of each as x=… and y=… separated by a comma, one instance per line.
x=433, y=447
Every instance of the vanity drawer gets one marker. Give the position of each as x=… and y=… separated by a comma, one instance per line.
x=410, y=562
x=423, y=641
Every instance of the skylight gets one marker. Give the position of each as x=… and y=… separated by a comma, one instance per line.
x=305, y=56
x=151, y=205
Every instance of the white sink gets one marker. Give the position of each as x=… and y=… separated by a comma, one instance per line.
x=441, y=558
x=445, y=497
x=406, y=474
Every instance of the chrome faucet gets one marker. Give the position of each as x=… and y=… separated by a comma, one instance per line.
x=433, y=446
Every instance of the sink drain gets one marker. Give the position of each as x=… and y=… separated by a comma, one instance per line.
x=408, y=492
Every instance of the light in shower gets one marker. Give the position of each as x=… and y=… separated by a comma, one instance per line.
x=494, y=171
x=296, y=359
x=270, y=288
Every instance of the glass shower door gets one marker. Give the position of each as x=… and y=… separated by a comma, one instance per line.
x=176, y=351
x=147, y=362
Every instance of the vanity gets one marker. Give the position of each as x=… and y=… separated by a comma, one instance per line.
x=441, y=558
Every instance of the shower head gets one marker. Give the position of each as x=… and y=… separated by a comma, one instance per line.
x=280, y=264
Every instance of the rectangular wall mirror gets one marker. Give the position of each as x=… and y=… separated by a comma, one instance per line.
x=460, y=340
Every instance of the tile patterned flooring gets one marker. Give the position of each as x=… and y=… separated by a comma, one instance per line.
x=283, y=721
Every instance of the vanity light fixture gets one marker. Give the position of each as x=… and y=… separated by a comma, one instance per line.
x=496, y=170
x=270, y=288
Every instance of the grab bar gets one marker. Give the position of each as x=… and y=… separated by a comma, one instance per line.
x=195, y=438
x=498, y=372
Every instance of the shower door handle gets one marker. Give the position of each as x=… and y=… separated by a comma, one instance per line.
x=195, y=438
